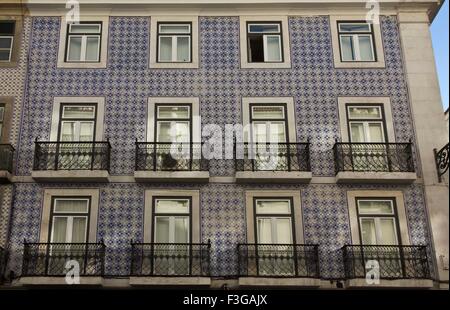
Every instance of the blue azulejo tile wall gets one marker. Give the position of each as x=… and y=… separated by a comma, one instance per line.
x=222, y=219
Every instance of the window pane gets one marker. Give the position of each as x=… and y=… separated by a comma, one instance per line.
x=59, y=230
x=2, y=111
x=172, y=206
x=273, y=48
x=273, y=207
x=173, y=112
x=71, y=206
x=4, y=55
x=165, y=48
x=267, y=112
x=365, y=112
x=387, y=232
x=375, y=207
x=173, y=132
x=86, y=28
x=87, y=131
x=162, y=229
x=368, y=232
x=79, y=230
x=365, y=48
x=92, y=48
x=277, y=132
x=354, y=27
x=74, y=53
x=256, y=49
x=284, y=231
x=181, y=230
x=376, y=132
x=183, y=49
x=7, y=27
x=78, y=112
x=174, y=28
x=261, y=28
x=68, y=131
x=347, y=48
x=5, y=42
x=264, y=230
x=357, y=132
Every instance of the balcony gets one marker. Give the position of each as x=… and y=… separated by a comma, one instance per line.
x=6, y=162
x=278, y=265
x=170, y=264
x=170, y=162
x=71, y=161
x=268, y=162
x=399, y=266
x=374, y=163
x=3, y=261
x=48, y=263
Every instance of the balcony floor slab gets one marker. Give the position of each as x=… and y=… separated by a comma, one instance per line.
x=384, y=283
x=273, y=177
x=71, y=176
x=279, y=282
x=172, y=176
x=376, y=177
x=58, y=281
x=170, y=281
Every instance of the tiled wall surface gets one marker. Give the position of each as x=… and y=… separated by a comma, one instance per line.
x=220, y=84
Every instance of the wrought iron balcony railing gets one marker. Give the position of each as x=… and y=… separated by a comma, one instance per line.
x=272, y=157
x=72, y=155
x=162, y=156
x=373, y=157
x=3, y=261
x=170, y=259
x=441, y=158
x=395, y=262
x=278, y=260
x=53, y=259
x=6, y=157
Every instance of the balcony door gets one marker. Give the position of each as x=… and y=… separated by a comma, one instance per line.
x=367, y=130
x=269, y=125
x=68, y=233
x=171, y=235
x=173, y=132
x=379, y=232
x=274, y=236
x=76, y=134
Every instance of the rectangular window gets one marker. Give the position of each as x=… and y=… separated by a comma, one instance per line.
x=7, y=30
x=366, y=124
x=265, y=42
x=268, y=123
x=84, y=42
x=77, y=123
x=356, y=42
x=173, y=123
x=174, y=42
x=2, y=116
x=69, y=220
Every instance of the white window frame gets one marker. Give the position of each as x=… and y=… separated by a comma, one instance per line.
x=273, y=219
x=69, y=231
x=174, y=38
x=378, y=49
x=245, y=22
x=355, y=41
x=265, y=36
x=193, y=42
x=83, y=47
x=103, y=44
x=10, y=49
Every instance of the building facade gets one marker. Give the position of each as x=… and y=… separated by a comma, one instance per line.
x=334, y=175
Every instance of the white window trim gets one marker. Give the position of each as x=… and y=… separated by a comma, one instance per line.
x=154, y=54
x=401, y=212
x=377, y=39
x=384, y=101
x=268, y=101
x=196, y=119
x=296, y=208
x=10, y=49
x=195, y=211
x=285, y=39
x=103, y=44
x=61, y=192
x=99, y=124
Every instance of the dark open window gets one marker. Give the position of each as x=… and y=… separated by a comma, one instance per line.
x=7, y=29
x=264, y=42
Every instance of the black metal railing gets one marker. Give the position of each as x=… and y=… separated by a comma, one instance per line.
x=373, y=157
x=278, y=260
x=6, y=157
x=53, y=259
x=3, y=261
x=162, y=156
x=72, y=155
x=395, y=262
x=441, y=158
x=170, y=259
x=272, y=157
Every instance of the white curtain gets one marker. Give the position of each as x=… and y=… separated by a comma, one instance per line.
x=162, y=230
x=59, y=232
x=365, y=48
x=273, y=48
x=92, y=48
x=74, y=53
x=165, y=48
x=264, y=230
x=183, y=49
x=347, y=48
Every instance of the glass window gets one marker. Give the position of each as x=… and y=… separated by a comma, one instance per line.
x=172, y=220
x=83, y=42
x=273, y=221
x=174, y=42
x=7, y=31
x=173, y=123
x=2, y=115
x=173, y=112
x=366, y=124
x=268, y=124
x=267, y=112
x=172, y=206
x=70, y=220
x=375, y=207
x=77, y=123
x=356, y=42
x=273, y=207
x=264, y=42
